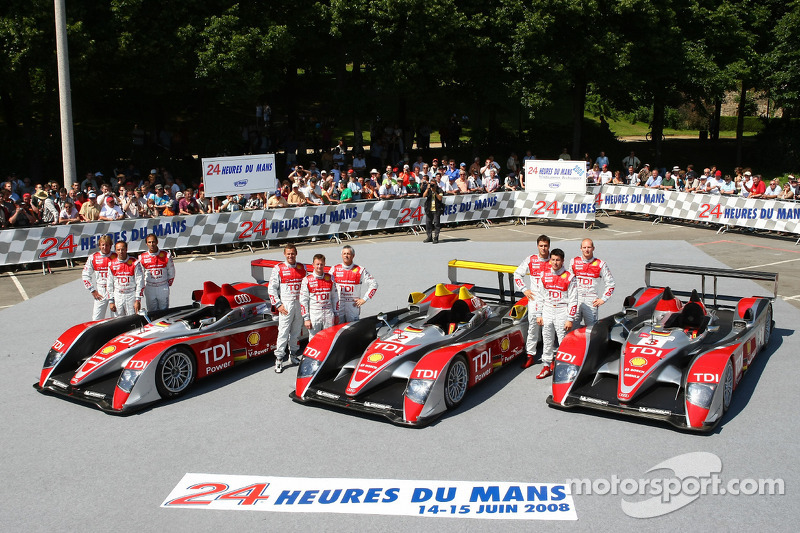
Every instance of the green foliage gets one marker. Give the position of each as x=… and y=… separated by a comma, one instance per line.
x=751, y=124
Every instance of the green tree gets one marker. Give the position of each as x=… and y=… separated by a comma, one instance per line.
x=561, y=46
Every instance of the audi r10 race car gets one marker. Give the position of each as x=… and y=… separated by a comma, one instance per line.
x=669, y=355
x=413, y=364
x=122, y=364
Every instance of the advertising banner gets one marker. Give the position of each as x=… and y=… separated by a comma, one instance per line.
x=435, y=499
x=243, y=174
x=47, y=243
x=555, y=176
x=772, y=215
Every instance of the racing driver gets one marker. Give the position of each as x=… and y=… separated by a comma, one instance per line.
x=557, y=298
x=159, y=273
x=319, y=300
x=125, y=282
x=284, y=294
x=349, y=278
x=589, y=270
x=95, y=274
x=533, y=265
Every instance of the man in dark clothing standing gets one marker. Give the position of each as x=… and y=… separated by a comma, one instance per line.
x=432, y=195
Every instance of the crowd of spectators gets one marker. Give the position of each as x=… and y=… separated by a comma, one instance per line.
x=742, y=182
x=342, y=177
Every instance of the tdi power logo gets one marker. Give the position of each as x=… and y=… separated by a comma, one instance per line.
x=692, y=475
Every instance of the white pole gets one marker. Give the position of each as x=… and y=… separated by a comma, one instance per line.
x=64, y=95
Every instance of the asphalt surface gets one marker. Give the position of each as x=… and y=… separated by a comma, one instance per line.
x=68, y=466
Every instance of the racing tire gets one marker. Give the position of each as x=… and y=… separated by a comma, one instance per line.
x=768, y=328
x=727, y=386
x=456, y=381
x=175, y=372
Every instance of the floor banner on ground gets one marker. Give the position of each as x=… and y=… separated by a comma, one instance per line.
x=436, y=499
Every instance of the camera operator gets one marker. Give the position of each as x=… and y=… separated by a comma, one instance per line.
x=432, y=196
x=23, y=215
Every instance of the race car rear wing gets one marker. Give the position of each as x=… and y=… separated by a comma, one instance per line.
x=455, y=264
x=714, y=273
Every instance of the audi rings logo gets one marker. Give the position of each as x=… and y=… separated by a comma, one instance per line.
x=241, y=298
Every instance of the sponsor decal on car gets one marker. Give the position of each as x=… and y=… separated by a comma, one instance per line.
x=638, y=361
x=253, y=339
x=654, y=411
x=375, y=358
x=330, y=396
x=588, y=399
x=108, y=349
x=374, y=405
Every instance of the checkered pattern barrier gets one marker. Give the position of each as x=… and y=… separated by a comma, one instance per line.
x=772, y=215
x=79, y=240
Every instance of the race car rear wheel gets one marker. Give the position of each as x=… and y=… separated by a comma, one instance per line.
x=768, y=327
x=175, y=372
x=456, y=381
x=727, y=386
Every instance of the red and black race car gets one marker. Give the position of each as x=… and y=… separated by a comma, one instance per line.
x=413, y=364
x=669, y=355
x=123, y=364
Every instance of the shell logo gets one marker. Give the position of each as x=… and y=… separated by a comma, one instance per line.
x=108, y=349
x=253, y=339
x=638, y=361
x=375, y=358
x=505, y=344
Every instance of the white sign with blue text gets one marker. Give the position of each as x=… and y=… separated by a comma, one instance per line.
x=555, y=176
x=242, y=174
x=436, y=499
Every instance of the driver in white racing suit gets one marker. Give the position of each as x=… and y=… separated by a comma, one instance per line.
x=349, y=278
x=159, y=273
x=319, y=300
x=125, y=282
x=557, y=299
x=284, y=294
x=533, y=265
x=589, y=270
x=95, y=275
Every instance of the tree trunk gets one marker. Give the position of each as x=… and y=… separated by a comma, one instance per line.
x=658, y=125
x=578, y=106
x=740, y=123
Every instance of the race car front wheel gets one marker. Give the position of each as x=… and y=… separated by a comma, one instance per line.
x=175, y=372
x=455, y=385
x=727, y=386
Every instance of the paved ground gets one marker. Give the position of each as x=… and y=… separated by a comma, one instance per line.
x=68, y=466
x=736, y=249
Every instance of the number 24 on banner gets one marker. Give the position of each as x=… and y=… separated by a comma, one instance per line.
x=407, y=213
x=67, y=244
x=249, y=495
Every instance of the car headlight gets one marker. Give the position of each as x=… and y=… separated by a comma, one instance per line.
x=52, y=359
x=419, y=389
x=308, y=367
x=700, y=394
x=128, y=379
x=565, y=372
